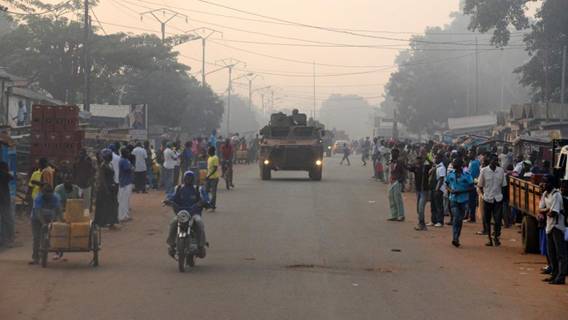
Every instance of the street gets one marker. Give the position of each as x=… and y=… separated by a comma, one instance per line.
x=288, y=248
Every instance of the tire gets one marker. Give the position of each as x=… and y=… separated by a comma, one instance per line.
x=181, y=249
x=43, y=257
x=191, y=260
x=529, y=231
x=95, y=247
x=44, y=248
x=316, y=174
x=265, y=173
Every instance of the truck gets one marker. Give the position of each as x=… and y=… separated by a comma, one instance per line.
x=289, y=144
x=524, y=195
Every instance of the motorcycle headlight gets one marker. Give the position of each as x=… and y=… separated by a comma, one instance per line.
x=266, y=162
x=329, y=147
x=183, y=216
x=318, y=163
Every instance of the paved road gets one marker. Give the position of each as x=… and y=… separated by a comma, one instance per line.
x=287, y=249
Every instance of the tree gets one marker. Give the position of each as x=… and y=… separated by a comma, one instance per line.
x=548, y=35
x=435, y=79
x=124, y=69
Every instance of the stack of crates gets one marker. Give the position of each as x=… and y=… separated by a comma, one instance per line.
x=55, y=133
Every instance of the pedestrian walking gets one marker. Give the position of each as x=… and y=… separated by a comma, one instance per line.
x=124, y=186
x=438, y=176
x=106, y=208
x=213, y=175
x=140, y=168
x=552, y=207
x=474, y=169
x=151, y=181
x=170, y=159
x=365, y=150
x=46, y=208
x=177, y=166
x=67, y=190
x=47, y=173
x=459, y=185
x=186, y=157
x=84, y=176
x=421, y=170
x=397, y=170
x=491, y=183
x=346, y=153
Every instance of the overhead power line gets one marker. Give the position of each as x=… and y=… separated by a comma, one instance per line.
x=458, y=43
x=288, y=24
x=98, y=21
x=329, y=29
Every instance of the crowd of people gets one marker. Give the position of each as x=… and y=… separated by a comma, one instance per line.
x=106, y=178
x=459, y=182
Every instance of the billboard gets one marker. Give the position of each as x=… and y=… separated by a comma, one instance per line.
x=137, y=121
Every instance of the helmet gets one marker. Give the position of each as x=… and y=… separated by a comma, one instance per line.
x=189, y=175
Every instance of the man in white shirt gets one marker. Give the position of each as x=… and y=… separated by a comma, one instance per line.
x=551, y=206
x=170, y=161
x=115, y=160
x=140, y=169
x=491, y=182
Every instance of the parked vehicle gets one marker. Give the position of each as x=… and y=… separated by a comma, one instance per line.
x=525, y=195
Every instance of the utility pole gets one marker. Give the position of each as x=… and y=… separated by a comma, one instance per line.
x=502, y=100
x=229, y=64
x=563, y=83
x=167, y=16
x=314, y=116
x=476, y=76
x=468, y=87
x=204, y=34
x=272, y=100
x=86, y=62
x=250, y=94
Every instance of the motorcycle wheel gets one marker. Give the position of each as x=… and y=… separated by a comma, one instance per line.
x=191, y=260
x=181, y=250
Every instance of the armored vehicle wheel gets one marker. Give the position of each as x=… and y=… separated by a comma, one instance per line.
x=315, y=174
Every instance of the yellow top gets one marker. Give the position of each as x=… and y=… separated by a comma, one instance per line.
x=36, y=188
x=213, y=162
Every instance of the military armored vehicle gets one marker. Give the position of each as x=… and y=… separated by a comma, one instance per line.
x=289, y=143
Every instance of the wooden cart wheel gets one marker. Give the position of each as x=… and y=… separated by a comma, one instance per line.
x=95, y=246
x=44, y=246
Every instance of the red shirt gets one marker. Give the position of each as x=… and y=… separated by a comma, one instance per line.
x=227, y=151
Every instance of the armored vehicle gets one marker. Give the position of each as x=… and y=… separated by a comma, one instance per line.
x=289, y=143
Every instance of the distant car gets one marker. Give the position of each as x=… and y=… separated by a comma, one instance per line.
x=339, y=146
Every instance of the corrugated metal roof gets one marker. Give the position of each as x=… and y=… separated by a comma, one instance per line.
x=33, y=95
x=108, y=110
x=8, y=76
x=486, y=120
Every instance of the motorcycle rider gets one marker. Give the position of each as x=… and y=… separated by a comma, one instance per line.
x=188, y=197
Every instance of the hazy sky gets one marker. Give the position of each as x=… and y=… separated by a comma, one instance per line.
x=398, y=18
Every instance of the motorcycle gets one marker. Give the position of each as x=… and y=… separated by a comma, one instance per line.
x=187, y=249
